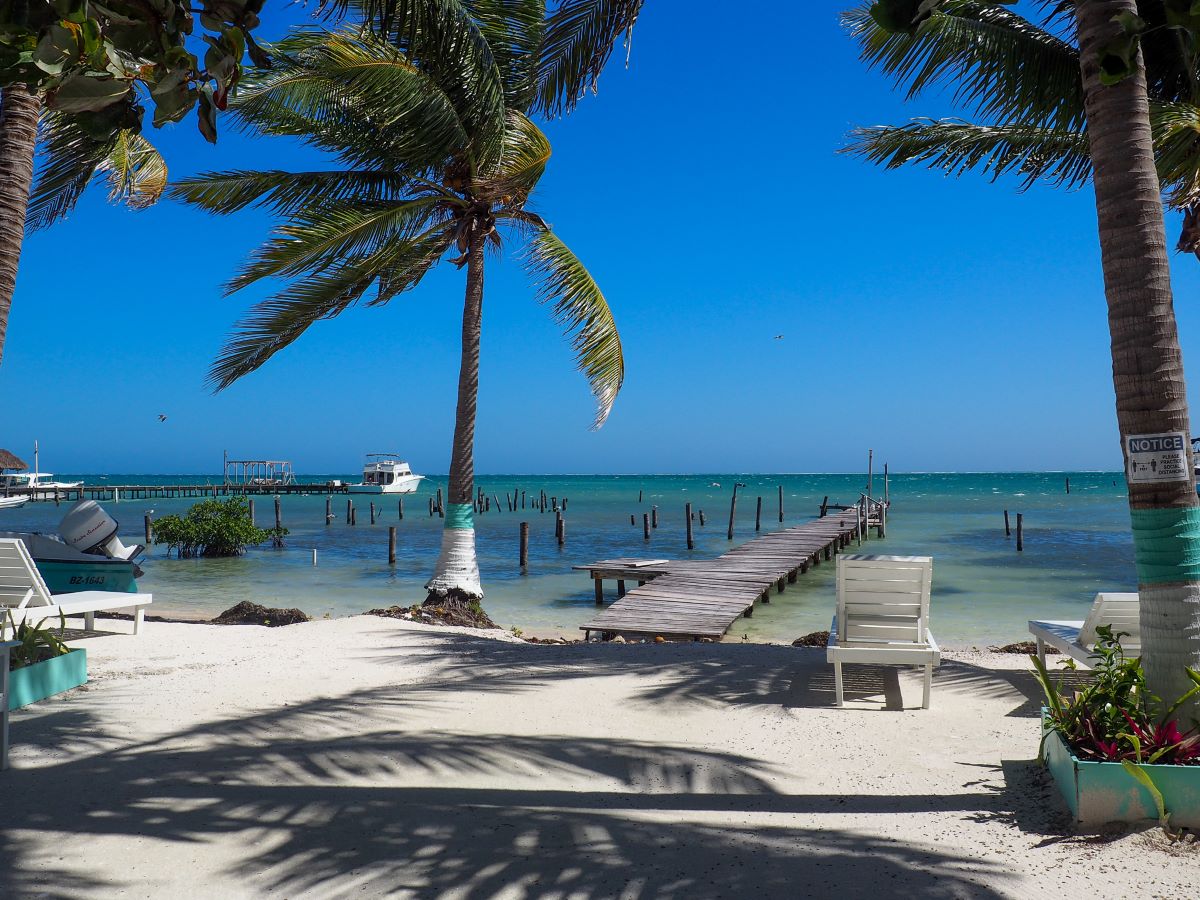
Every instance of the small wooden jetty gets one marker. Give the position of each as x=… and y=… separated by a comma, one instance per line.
x=117, y=492
x=698, y=599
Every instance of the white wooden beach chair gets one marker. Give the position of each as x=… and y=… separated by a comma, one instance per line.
x=883, y=616
x=24, y=595
x=1077, y=638
x=5, y=646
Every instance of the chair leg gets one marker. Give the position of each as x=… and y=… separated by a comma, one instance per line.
x=837, y=682
x=1041, y=651
x=89, y=621
x=928, y=686
x=139, y=616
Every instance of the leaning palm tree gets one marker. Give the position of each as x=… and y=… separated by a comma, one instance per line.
x=1016, y=75
x=1071, y=123
x=436, y=159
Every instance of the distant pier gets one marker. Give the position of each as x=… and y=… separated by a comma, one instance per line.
x=119, y=492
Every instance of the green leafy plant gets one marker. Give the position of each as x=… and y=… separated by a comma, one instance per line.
x=214, y=528
x=37, y=642
x=1116, y=718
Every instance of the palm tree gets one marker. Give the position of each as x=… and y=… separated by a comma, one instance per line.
x=435, y=155
x=1057, y=118
x=18, y=135
x=1019, y=78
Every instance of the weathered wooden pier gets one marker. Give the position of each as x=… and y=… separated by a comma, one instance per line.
x=118, y=492
x=701, y=599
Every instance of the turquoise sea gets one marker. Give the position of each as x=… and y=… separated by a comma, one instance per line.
x=984, y=590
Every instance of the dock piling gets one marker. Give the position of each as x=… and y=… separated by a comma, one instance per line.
x=524, y=553
x=1020, y=532
x=758, y=516
x=646, y=526
x=391, y=545
x=687, y=515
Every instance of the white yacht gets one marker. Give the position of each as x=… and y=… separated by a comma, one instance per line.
x=385, y=473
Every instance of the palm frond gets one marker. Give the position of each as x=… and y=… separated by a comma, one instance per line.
x=321, y=237
x=273, y=324
x=582, y=312
x=580, y=37
x=286, y=192
x=1177, y=150
x=999, y=64
x=516, y=174
x=356, y=96
x=514, y=30
x=136, y=171
x=1057, y=155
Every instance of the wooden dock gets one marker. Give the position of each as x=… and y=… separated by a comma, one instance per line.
x=698, y=599
x=118, y=492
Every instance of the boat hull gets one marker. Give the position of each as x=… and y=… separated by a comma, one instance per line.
x=407, y=485
x=69, y=577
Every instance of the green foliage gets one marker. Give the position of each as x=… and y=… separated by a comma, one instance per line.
x=214, y=528
x=105, y=63
x=1116, y=718
x=38, y=642
x=451, y=155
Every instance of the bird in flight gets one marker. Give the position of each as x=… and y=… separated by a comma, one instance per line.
x=161, y=417
x=779, y=337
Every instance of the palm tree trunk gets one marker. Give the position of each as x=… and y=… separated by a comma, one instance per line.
x=455, y=580
x=1147, y=361
x=19, y=110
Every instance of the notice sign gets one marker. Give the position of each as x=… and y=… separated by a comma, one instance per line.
x=1157, y=457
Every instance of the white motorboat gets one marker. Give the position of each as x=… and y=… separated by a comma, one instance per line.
x=12, y=502
x=35, y=481
x=385, y=473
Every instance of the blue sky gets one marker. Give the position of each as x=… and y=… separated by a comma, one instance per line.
x=949, y=324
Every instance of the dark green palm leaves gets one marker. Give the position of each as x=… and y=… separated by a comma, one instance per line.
x=432, y=141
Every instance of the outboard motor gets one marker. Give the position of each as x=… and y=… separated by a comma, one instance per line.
x=89, y=529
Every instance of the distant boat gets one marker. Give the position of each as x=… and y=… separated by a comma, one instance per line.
x=12, y=502
x=385, y=473
x=33, y=481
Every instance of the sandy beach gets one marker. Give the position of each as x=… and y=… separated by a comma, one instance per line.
x=374, y=757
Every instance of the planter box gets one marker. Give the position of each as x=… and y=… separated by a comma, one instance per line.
x=1100, y=792
x=30, y=684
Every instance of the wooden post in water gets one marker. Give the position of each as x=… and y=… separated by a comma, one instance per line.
x=278, y=515
x=349, y=509
x=562, y=531
x=824, y=506
x=1007, y=531
x=146, y=522
x=251, y=503
x=781, y=503
x=524, y=556
x=328, y=510
x=646, y=526
x=758, y=516
x=632, y=520
x=732, y=511
x=439, y=500
x=523, y=500
x=654, y=517
x=639, y=496
x=687, y=514
x=391, y=545
x=353, y=516
x=400, y=508
x=1020, y=532
x=701, y=518
x=1068, y=484
x=557, y=525
x=372, y=512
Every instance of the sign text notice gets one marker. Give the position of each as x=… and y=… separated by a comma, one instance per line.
x=1155, y=458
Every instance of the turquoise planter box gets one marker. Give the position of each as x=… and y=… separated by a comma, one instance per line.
x=1100, y=792
x=29, y=684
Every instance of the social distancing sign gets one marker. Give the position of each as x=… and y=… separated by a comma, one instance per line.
x=1157, y=458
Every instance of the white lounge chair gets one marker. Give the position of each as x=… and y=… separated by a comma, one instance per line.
x=24, y=595
x=1076, y=639
x=883, y=616
x=5, y=646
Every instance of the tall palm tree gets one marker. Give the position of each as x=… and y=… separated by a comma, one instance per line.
x=1018, y=78
x=1056, y=117
x=436, y=157
x=18, y=136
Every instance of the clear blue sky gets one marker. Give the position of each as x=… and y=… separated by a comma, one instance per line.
x=951, y=325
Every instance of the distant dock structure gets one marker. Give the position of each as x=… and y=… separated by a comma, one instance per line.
x=240, y=473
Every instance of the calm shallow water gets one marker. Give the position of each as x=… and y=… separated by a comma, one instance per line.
x=984, y=591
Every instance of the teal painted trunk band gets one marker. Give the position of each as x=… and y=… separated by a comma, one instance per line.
x=460, y=515
x=1166, y=544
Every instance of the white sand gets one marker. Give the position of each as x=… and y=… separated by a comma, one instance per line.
x=371, y=757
